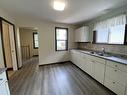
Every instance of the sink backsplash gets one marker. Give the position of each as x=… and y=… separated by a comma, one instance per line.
x=120, y=50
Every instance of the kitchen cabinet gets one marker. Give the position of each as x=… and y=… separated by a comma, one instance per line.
x=89, y=66
x=116, y=77
x=114, y=86
x=82, y=34
x=112, y=75
x=94, y=66
x=99, y=71
x=97, y=68
x=4, y=88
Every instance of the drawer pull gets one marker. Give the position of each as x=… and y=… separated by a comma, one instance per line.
x=113, y=82
x=116, y=65
x=1, y=79
x=115, y=70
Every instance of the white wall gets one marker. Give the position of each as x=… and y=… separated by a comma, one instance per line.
x=47, y=53
x=18, y=48
x=6, y=16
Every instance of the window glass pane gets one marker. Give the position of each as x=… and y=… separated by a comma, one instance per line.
x=117, y=34
x=61, y=45
x=36, y=44
x=102, y=35
x=61, y=34
x=36, y=37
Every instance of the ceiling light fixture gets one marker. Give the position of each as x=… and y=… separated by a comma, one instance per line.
x=59, y=5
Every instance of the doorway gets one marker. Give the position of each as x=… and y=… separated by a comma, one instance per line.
x=29, y=43
x=9, y=47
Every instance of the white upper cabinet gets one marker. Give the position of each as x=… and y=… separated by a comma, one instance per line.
x=82, y=34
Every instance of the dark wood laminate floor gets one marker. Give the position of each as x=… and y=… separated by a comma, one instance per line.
x=57, y=79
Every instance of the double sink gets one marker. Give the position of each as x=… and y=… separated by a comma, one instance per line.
x=97, y=53
x=105, y=56
x=100, y=54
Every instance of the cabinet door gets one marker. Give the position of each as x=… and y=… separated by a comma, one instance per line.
x=77, y=35
x=114, y=86
x=75, y=57
x=85, y=37
x=99, y=72
x=72, y=56
x=4, y=90
x=82, y=34
x=90, y=67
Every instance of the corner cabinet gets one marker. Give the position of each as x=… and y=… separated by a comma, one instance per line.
x=82, y=34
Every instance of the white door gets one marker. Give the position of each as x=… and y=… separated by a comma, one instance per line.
x=13, y=48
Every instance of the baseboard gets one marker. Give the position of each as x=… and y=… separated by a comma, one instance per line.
x=9, y=69
x=53, y=63
x=35, y=55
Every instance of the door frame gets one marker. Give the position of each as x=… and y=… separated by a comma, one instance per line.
x=1, y=30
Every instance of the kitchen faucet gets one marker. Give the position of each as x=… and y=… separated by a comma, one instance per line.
x=103, y=50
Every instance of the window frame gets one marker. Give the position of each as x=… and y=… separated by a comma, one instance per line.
x=61, y=40
x=34, y=33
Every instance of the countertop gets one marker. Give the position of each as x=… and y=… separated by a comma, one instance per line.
x=2, y=70
x=111, y=58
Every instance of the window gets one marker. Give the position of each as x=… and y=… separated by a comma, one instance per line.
x=61, y=39
x=102, y=36
x=117, y=34
x=111, y=31
x=111, y=35
x=35, y=40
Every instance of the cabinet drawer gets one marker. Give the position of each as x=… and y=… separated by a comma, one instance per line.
x=114, y=86
x=3, y=77
x=116, y=75
x=116, y=65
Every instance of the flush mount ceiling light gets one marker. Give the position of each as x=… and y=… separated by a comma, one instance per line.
x=59, y=5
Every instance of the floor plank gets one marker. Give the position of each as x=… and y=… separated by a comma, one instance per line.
x=57, y=79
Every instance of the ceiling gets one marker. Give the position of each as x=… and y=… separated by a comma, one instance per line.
x=76, y=10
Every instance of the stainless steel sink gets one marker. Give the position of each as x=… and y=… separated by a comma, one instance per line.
x=103, y=54
x=100, y=54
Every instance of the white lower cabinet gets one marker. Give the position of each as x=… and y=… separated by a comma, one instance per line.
x=4, y=89
x=99, y=72
x=89, y=67
x=115, y=78
x=114, y=86
x=111, y=74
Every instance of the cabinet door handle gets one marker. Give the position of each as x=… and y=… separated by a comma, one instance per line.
x=1, y=79
x=115, y=70
x=116, y=65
